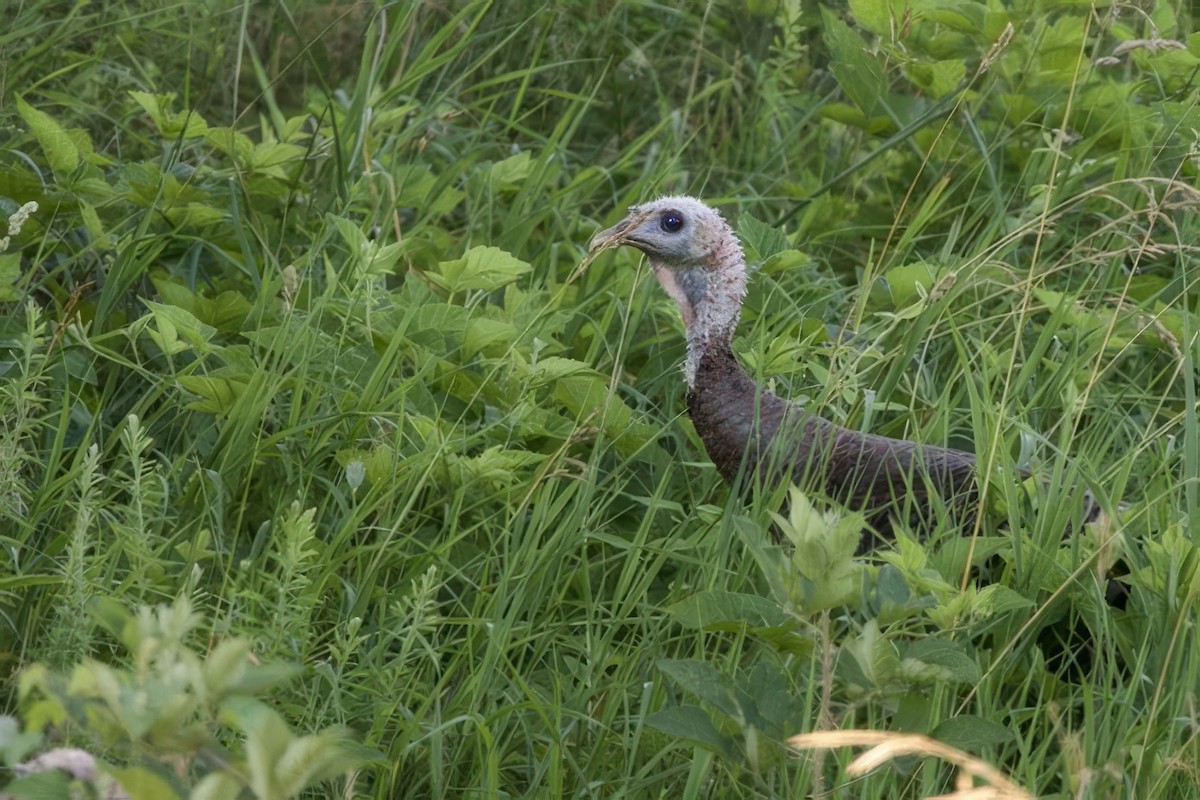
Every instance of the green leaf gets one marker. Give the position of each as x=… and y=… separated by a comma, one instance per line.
x=52, y=785
x=171, y=124
x=763, y=240
x=874, y=15
x=785, y=260
x=142, y=784
x=216, y=786
x=997, y=599
x=692, y=723
x=587, y=397
x=271, y=158
x=857, y=69
x=219, y=394
x=947, y=658
x=875, y=655
x=971, y=733
x=550, y=369
x=267, y=739
x=720, y=610
x=510, y=172
x=483, y=268
x=911, y=282
x=62, y=154
x=702, y=680
x=175, y=323
x=15, y=746
x=10, y=271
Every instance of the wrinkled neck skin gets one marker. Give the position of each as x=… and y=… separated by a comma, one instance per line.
x=709, y=295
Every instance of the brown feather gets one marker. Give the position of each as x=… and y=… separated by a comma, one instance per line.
x=750, y=433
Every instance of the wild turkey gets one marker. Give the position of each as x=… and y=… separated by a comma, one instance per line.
x=749, y=431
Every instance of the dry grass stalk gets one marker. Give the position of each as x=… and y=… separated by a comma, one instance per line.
x=886, y=746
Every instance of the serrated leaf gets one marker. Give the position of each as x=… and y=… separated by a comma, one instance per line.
x=764, y=240
x=62, y=154
x=691, y=723
x=857, y=70
x=483, y=268
x=971, y=733
x=717, y=609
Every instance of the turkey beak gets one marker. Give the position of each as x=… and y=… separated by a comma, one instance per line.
x=614, y=236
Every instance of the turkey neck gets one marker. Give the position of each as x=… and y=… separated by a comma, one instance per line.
x=709, y=296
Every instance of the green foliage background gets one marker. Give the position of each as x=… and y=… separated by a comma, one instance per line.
x=301, y=332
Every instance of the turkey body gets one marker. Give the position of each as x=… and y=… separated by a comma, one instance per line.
x=750, y=433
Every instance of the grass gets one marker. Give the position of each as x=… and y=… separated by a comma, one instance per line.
x=260, y=366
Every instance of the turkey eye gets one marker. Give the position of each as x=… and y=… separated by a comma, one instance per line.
x=672, y=221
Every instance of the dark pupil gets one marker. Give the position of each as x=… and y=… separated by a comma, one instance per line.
x=671, y=222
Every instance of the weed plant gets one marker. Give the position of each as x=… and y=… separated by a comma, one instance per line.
x=297, y=347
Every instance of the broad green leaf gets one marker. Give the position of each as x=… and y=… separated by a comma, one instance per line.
x=513, y=170
x=692, y=723
x=15, y=745
x=554, y=368
x=171, y=124
x=491, y=337
x=53, y=785
x=216, y=786
x=857, y=70
x=589, y=399
x=949, y=662
x=874, y=15
x=175, y=323
x=267, y=739
x=195, y=215
x=10, y=272
x=233, y=143
x=226, y=664
x=763, y=240
x=483, y=268
x=702, y=680
x=717, y=609
x=218, y=394
x=272, y=157
x=785, y=260
x=312, y=759
x=62, y=154
x=496, y=465
x=875, y=655
x=911, y=282
x=998, y=599
x=971, y=733
x=141, y=783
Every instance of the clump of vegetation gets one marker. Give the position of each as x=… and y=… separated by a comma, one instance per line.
x=297, y=330
x=160, y=717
